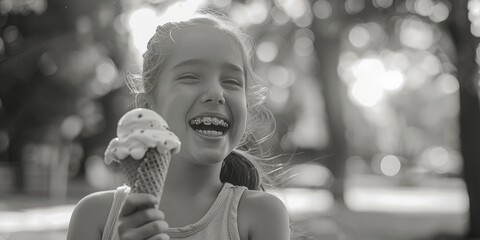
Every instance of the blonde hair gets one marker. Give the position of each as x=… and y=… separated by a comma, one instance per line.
x=245, y=165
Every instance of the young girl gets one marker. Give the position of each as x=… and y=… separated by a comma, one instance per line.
x=196, y=72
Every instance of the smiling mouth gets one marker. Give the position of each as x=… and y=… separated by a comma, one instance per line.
x=210, y=126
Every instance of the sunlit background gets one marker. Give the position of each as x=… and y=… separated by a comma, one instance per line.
x=366, y=94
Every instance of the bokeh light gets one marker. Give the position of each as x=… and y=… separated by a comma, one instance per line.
x=279, y=16
x=322, y=9
x=12, y=37
x=47, y=65
x=359, y=36
x=354, y=6
x=392, y=80
x=447, y=83
x=267, y=51
x=429, y=63
x=440, y=12
x=303, y=46
x=142, y=23
x=293, y=8
x=416, y=34
x=366, y=90
x=305, y=20
x=439, y=159
x=258, y=12
x=71, y=126
x=423, y=7
x=383, y=3
x=474, y=16
x=390, y=165
x=280, y=76
x=106, y=71
x=255, y=12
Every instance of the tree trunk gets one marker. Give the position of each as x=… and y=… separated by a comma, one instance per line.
x=327, y=47
x=469, y=116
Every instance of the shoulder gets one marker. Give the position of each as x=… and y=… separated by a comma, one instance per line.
x=263, y=216
x=262, y=201
x=90, y=215
x=97, y=202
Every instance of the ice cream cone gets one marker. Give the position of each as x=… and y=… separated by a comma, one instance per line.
x=151, y=173
x=143, y=150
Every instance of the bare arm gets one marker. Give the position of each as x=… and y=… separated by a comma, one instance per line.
x=264, y=216
x=89, y=216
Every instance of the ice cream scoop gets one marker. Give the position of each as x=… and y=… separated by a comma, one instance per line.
x=137, y=131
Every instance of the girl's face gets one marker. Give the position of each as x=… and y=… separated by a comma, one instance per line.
x=201, y=94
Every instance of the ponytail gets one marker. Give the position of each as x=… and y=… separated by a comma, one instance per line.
x=239, y=170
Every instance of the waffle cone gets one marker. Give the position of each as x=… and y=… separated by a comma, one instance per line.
x=148, y=174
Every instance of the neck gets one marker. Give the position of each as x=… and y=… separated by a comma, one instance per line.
x=189, y=179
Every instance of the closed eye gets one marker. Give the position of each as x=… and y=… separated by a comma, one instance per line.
x=232, y=81
x=188, y=76
x=189, y=79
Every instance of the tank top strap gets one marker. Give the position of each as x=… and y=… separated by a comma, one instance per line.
x=119, y=197
x=233, y=211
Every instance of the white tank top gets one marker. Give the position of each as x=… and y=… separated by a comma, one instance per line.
x=220, y=221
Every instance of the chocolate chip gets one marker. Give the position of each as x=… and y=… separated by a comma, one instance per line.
x=142, y=131
x=139, y=115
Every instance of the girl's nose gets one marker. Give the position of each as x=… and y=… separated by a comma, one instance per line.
x=213, y=94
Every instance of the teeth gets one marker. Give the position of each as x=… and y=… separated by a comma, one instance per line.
x=222, y=122
x=210, y=132
x=209, y=121
x=196, y=121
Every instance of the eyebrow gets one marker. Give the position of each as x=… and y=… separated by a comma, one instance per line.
x=227, y=65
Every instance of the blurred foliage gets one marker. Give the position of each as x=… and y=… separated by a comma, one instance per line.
x=60, y=82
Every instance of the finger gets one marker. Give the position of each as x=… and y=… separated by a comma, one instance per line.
x=147, y=230
x=161, y=236
x=141, y=217
x=138, y=201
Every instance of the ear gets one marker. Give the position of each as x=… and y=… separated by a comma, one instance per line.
x=143, y=100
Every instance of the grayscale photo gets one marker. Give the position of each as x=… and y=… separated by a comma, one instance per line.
x=240, y=119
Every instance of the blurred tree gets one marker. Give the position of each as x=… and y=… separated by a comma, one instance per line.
x=328, y=33
x=58, y=72
x=467, y=75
